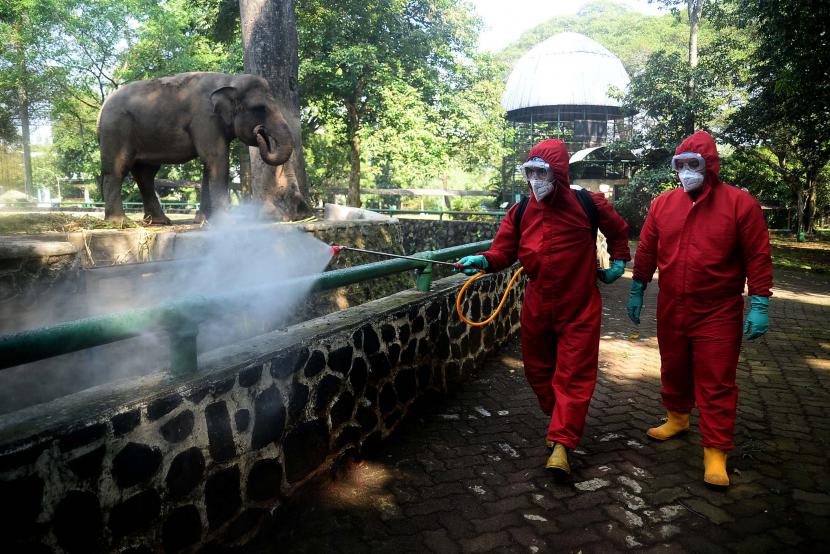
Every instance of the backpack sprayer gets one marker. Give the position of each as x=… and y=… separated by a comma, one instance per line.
x=336, y=249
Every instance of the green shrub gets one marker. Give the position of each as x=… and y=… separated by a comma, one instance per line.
x=636, y=197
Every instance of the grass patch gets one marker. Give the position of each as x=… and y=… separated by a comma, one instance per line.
x=805, y=256
x=32, y=223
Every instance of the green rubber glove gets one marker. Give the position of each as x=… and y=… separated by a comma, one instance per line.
x=635, y=300
x=757, y=320
x=613, y=273
x=472, y=264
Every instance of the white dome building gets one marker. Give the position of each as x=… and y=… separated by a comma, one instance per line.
x=567, y=69
x=565, y=88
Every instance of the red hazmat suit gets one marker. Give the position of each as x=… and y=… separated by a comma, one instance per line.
x=706, y=249
x=562, y=306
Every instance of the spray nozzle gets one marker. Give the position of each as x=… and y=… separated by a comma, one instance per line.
x=335, y=249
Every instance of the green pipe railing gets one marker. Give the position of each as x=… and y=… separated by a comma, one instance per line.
x=180, y=319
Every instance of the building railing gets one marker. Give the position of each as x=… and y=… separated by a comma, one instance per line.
x=82, y=204
x=498, y=214
x=180, y=319
x=138, y=206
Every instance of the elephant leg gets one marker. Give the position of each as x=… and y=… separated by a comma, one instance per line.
x=145, y=175
x=113, y=171
x=218, y=177
x=213, y=151
x=204, y=196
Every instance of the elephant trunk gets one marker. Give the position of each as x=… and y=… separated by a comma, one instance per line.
x=272, y=150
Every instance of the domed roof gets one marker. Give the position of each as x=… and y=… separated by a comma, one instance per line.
x=566, y=69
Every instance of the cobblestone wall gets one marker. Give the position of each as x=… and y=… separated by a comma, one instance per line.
x=177, y=462
x=425, y=234
x=428, y=234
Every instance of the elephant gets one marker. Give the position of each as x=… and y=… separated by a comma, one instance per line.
x=179, y=118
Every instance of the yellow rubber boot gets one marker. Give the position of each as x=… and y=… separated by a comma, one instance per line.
x=675, y=424
x=558, y=461
x=714, y=467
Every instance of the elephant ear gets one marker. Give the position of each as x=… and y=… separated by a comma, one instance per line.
x=224, y=102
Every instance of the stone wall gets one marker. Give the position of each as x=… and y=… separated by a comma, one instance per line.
x=175, y=462
x=425, y=234
x=420, y=235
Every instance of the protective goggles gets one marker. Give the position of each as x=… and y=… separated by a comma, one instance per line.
x=688, y=160
x=537, y=169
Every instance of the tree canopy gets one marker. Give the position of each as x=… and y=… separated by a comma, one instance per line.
x=393, y=93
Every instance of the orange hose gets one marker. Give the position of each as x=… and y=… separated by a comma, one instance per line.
x=498, y=308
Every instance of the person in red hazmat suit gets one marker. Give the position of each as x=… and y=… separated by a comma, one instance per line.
x=707, y=238
x=560, y=324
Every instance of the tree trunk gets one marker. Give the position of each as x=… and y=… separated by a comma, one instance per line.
x=695, y=8
x=25, y=132
x=353, y=198
x=269, y=39
x=445, y=180
x=810, y=203
x=800, y=202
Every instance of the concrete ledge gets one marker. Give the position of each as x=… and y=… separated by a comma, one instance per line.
x=12, y=247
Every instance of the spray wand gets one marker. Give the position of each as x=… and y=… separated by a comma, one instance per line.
x=336, y=249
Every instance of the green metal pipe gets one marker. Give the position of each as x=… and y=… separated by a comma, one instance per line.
x=180, y=318
x=63, y=338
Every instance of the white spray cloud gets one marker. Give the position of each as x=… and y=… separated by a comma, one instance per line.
x=229, y=259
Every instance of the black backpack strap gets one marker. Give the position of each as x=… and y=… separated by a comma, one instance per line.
x=590, y=209
x=584, y=198
x=520, y=212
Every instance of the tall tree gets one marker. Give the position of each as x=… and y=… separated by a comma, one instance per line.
x=694, y=11
x=787, y=113
x=91, y=48
x=269, y=37
x=355, y=50
x=26, y=37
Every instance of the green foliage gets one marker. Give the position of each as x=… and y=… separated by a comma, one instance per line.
x=73, y=138
x=404, y=84
x=630, y=35
x=405, y=143
x=659, y=93
x=789, y=90
x=744, y=168
x=179, y=36
x=645, y=186
x=471, y=115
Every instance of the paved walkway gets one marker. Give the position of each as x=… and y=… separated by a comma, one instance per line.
x=467, y=476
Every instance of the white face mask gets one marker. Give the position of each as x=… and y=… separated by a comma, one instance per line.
x=540, y=188
x=691, y=180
